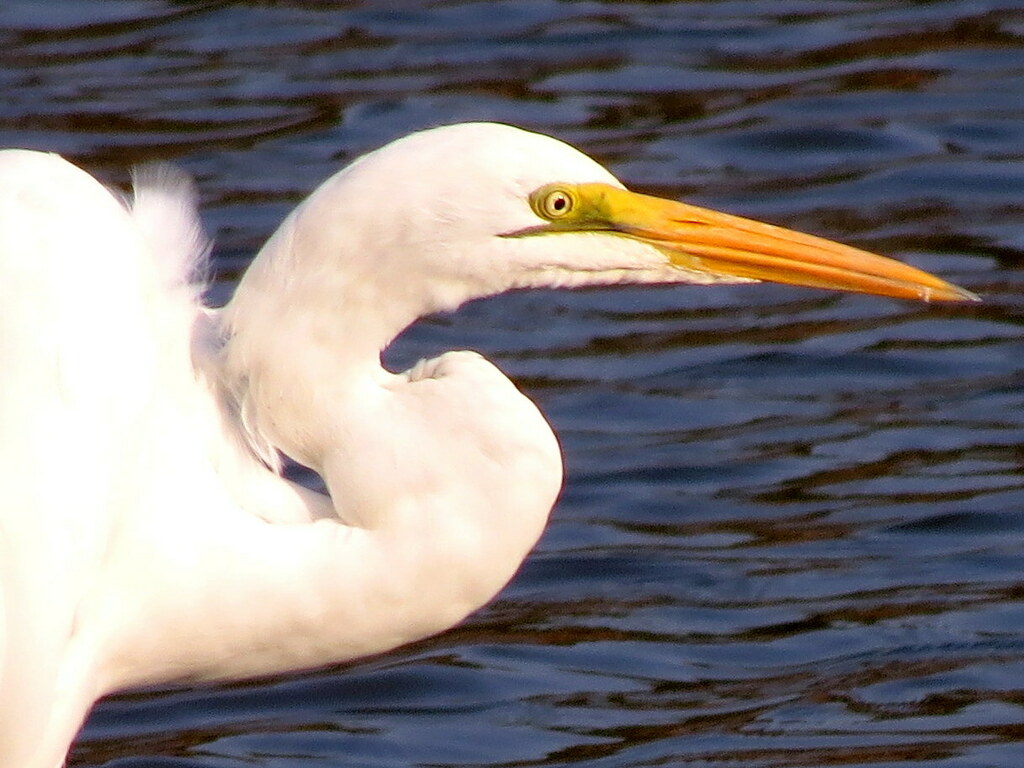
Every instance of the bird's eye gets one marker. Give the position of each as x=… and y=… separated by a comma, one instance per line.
x=555, y=203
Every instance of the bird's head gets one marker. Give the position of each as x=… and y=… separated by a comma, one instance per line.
x=477, y=208
x=471, y=210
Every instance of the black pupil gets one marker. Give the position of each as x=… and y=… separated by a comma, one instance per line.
x=558, y=203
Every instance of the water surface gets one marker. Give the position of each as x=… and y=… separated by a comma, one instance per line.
x=792, y=532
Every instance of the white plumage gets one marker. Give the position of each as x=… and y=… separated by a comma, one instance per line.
x=145, y=533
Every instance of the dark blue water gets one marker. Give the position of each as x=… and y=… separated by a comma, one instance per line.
x=793, y=528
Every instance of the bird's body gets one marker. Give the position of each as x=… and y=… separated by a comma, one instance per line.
x=146, y=535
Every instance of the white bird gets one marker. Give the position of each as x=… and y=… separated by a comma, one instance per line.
x=146, y=534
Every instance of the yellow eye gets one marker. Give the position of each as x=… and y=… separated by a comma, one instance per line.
x=555, y=203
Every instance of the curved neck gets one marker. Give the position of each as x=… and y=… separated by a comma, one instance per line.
x=288, y=597
x=430, y=518
x=306, y=328
x=441, y=483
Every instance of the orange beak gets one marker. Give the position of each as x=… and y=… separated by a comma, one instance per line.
x=702, y=240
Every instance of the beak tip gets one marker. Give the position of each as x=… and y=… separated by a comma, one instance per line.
x=950, y=292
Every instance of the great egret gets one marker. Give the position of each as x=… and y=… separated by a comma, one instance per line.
x=146, y=534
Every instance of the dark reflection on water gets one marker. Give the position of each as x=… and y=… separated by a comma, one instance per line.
x=793, y=530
